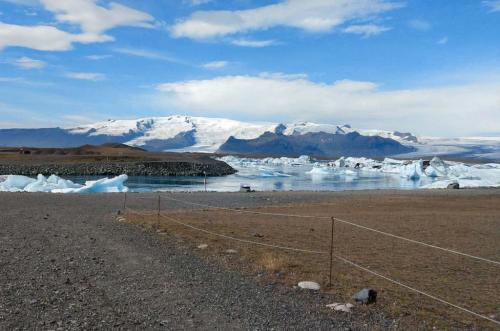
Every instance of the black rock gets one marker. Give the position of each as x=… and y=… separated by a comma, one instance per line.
x=453, y=186
x=366, y=296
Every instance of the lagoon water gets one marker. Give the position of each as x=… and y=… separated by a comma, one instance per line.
x=274, y=178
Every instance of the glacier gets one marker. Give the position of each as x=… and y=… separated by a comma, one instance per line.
x=55, y=184
x=208, y=134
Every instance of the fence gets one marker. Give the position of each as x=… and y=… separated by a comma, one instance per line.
x=333, y=246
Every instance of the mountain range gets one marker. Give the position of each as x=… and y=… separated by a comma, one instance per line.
x=211, y=135
x=218, y=135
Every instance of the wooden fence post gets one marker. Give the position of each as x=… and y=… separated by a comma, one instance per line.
x=159, y=211
x=331, y=252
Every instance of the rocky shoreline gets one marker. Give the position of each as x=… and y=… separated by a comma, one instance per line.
x=143, y=168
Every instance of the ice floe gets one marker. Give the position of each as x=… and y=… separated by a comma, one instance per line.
x=435, y=173
x=235, y=161
x=55, y=184
x=443, y=172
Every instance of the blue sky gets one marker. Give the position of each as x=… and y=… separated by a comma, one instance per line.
x=430, y=67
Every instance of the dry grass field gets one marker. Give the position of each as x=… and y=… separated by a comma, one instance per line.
x=469, y=224
x=94, y=153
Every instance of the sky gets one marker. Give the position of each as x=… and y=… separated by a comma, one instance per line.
x=422, y=66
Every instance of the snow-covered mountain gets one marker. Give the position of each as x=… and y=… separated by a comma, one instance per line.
x=201, y=134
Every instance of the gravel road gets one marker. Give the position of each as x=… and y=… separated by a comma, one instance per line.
x=66, y=263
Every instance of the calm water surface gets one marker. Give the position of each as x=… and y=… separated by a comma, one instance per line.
x=273, y=178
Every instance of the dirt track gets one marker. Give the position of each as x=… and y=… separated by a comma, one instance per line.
x=66, y=263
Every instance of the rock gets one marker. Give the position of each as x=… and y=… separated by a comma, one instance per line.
x=203, y=246
x=341, y=307
x=453, y=186
x=258, y=235
x=231, y=251
x=307, y=285
x=245, y=188
x=140, y=168
x=366, y=296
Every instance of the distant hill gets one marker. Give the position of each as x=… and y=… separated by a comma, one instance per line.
x=318, y=144
x=201, y=134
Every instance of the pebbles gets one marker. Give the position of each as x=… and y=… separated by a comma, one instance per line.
x=153, y=168
x=130, y=279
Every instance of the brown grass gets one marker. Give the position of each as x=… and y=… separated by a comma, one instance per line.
x=464, y=223
x=274, y=263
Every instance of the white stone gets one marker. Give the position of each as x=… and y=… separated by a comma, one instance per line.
x=307, y=285
x=341, y=307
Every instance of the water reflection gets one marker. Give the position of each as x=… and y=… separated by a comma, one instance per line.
x=298, y=180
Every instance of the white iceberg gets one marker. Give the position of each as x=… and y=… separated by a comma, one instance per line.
x=413, y=170
x=55, y=184
x=437, y=172
x=318, y=171
x=238, y=162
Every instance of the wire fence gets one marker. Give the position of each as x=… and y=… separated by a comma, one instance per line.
x=160, y=215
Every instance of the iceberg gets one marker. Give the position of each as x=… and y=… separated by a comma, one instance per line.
x=55, y=184
x=413, y=170
x=270, y=161
x=270, y=173
x=318, y=171
x=437, y=173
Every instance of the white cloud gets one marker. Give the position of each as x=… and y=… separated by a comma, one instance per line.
x=40, y=37
x=310, y=15
x=215, y=65
x=460, y=109
x=493, y=5
x=92, y=76
x=366, y=30
x=10, y=79
x=144, y=53
x=420, y=25
x=93, y=21
x=197, y=2
x=29, y=63
x=96, y=57
x=253, y=43
x=443, y=41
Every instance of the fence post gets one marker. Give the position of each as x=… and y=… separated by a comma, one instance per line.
x=159, y=211
x=124, y=201
x=331, y=252
x=205, y=180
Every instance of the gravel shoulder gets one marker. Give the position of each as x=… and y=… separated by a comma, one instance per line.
x=65, y=263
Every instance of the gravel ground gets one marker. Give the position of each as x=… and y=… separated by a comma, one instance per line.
x=65, y=263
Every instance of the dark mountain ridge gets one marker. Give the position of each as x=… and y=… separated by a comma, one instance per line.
x=318, y=144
